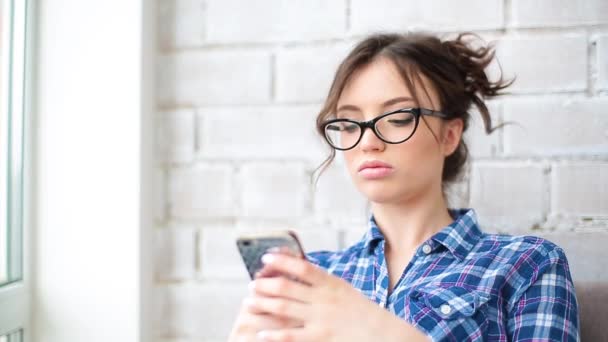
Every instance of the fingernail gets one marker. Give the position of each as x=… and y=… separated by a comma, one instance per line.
x=268, y=258
x=251, y=285
x=262, y=334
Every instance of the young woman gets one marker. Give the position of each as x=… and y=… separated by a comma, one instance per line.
x=397, y=109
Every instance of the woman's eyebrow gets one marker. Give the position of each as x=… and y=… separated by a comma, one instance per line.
x=384, y=104
x=397, y=100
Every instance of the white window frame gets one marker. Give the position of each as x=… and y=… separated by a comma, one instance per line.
x=94, y=111
x=15, y=297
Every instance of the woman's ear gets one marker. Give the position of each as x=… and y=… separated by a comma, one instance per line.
x=452, y=133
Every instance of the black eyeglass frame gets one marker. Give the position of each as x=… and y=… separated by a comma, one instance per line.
x=371, y=124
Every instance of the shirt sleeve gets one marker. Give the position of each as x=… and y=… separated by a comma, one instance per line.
x=547, y=310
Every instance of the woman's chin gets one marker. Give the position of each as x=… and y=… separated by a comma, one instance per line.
x=379, y=194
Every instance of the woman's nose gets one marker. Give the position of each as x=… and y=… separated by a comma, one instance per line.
x=371, y=142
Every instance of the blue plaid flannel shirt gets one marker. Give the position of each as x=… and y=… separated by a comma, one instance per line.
x=465, y=285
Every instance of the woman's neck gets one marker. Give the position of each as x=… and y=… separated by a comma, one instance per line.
x=410, y=223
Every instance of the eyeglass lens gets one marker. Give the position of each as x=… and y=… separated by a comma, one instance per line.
x=393, y=128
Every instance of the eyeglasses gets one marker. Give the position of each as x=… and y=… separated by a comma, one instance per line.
x=393, y=127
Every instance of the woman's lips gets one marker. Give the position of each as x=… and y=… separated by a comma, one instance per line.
x=375, y=169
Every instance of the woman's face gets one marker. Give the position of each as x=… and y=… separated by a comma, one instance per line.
x=395, y=173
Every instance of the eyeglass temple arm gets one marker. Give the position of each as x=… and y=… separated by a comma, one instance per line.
x=433, y=113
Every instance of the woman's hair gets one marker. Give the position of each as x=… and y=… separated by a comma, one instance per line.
x=454, y=68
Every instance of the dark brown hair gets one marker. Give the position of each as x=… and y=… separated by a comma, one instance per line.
x=455, y=69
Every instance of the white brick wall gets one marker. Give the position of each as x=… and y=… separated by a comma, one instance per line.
x=556, y=126
x=176, y=136
x=254, y=132
x=580, y=189
x=545, y=63
x=181, y=23
x=480, y=144
x=600, y=61
x=194, y=78
x=240, y=83
x=558, y=13
x=175, y=257
x=440, y=15
x=304, y=74
x=199, y=310
x=202, y=191
x=218, y=255
x=336, y=196
x=234, y=21
x=275, y=190
x=511, y=196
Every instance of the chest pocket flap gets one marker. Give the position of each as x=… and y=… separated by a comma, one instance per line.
x=454, y=302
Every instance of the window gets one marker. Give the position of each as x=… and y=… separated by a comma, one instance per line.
x=14, y=290
x=16, y=336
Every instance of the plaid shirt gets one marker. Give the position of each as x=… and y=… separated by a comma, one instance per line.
x=465, y=285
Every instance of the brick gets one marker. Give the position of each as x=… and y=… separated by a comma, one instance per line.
x=175, y=253
x=275, y=190
x=176, y=136
x=200, y=311
x=195, y=78
x=443, y=15
x=219, y=257
x=354, y=235
x=260, y=133
x=558, y=13
x=314, y=235
x=304, y=75
x=457, y=194
x=318, y=239
x=602, y=62
x=580, y=189
x=580, y=248
x=336, y=195
x=202, y=191
x=159, y=202
x=181, y=23
x=509, y=195
x=233, y=21
x=554, y=127
x=545, y=64
x=480, y=144
x=218, y=254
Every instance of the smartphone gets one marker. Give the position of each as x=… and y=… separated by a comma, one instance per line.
x=253, y=246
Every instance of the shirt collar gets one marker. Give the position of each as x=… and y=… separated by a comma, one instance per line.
x=459, y=237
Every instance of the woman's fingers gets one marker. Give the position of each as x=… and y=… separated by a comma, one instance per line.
x=279, y=307
x=289, y=334
x=281, y=287
x=294, y=267
x=270, y=322
x=250, y=322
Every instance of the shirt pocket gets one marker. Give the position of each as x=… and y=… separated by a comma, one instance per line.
x=450, y=313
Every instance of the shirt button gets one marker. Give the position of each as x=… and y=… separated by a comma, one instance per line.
x=445, y=309
x=426, y=249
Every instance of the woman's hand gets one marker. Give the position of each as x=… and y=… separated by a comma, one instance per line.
x=251, y=321
x=328, y=308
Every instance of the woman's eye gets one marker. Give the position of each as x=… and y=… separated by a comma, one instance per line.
x=350, y=128
x=343, y=127
x=401, y=122
x=333, y=128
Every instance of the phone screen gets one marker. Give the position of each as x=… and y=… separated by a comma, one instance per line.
x=252, y=248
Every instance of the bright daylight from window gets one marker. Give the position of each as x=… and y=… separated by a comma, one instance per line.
x=3, y=157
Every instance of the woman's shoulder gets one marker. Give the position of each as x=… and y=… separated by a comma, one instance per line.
x=331, y=260
x=516, y=247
